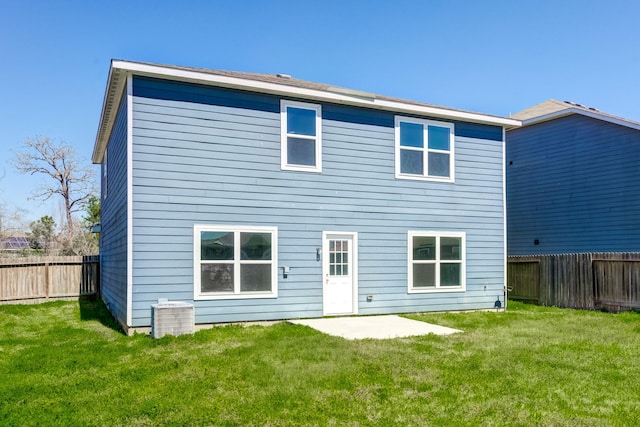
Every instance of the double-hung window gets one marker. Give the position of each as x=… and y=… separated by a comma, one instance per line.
x=424, y=149
x=301, y=136
x=235, y=262
x=436, y=261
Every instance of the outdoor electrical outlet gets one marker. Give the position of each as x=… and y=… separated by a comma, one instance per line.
x=369, y=298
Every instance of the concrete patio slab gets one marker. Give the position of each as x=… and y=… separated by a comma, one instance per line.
x=375, y=327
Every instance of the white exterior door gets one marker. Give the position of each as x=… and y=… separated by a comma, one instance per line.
x=339, y=268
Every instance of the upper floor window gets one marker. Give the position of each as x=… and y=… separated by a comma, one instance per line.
x=301, y=139
x=424, y=149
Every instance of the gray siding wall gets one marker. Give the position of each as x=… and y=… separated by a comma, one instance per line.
x=574, y=185
x=202, y=163
x=113, y=236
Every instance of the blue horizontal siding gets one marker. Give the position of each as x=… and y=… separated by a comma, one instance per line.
x=157, y=89
x=476, y=130
x=113, y=236
x=199, y=160
x=363, y=116
x=572, y=184
x=146, y=87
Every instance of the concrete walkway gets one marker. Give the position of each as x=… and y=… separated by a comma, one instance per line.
x=376, y=327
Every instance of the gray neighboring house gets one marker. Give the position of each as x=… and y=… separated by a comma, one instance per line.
x=262, y=197
x=573, y=181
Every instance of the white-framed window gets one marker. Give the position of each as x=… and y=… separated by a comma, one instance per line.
x=436, y=261
x=301, y=136
x=424, y=149
x=235, y=262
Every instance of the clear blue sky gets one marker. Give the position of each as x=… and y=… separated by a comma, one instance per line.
x=495, y=57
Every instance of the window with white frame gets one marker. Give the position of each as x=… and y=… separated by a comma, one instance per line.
x=424, y=149
x=436, y=261
x=235, y=262
x=301, y=136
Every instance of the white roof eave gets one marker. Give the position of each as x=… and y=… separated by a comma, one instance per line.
x=569, y=111
x=110, y=103
x=118, y=66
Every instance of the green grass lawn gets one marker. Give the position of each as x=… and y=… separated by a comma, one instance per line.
x=67, y=364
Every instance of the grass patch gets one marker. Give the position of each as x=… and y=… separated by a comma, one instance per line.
x=67, y=363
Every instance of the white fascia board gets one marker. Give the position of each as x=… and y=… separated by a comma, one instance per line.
x=569, y=111
x=444, y=113
x=129, y=145
x=97, y=156
x=504, y=215
x=341, y=98
x=110, y=104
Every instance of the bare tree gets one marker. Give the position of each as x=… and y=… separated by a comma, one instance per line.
x=11, y=225
x=10, y=221
x=72, y=178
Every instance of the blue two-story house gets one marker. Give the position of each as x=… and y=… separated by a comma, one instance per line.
x=263, y=197
x=573, y=181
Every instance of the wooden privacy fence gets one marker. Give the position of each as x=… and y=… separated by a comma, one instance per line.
x=38, y=279
x=588, y=281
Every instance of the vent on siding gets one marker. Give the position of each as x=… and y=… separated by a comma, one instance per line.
x=172, y=318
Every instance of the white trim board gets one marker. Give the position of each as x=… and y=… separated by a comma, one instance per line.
x=236, y=82
x=129, y=200
x=346, y=97
x=572, y=110
x=504, y=213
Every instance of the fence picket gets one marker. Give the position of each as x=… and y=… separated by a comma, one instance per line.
x=36, y=279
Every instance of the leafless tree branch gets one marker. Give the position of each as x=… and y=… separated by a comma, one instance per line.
x=73, y=179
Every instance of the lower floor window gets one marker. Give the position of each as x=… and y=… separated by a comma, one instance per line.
x=232, y=262
x=436, y=261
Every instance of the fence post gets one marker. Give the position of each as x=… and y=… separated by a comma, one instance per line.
x=97, y=278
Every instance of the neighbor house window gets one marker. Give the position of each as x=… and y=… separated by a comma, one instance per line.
x=424, y=149
x=235, y=262
x=301, y=141
x=436, y=261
